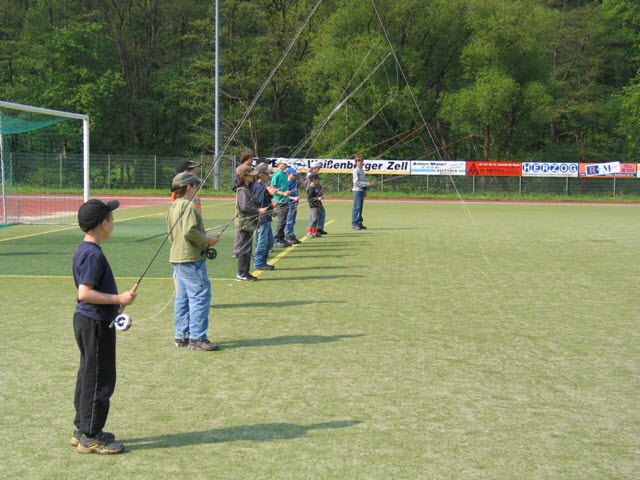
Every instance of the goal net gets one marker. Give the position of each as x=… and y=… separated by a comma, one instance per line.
x=44, y=164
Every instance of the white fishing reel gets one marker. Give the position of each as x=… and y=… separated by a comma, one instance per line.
x=122, y=322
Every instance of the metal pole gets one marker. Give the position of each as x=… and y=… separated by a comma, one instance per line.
x=614, y=187
x=109, y=171
x=217, y=106
x=155, y=172
x=60, y=169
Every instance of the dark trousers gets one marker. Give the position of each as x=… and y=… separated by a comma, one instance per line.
x=245, y=244
x=358, y=204
x=314, y=214
x=96, y=375
x=283, y=212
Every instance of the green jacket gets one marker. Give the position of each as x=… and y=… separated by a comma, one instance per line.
x=187, y=238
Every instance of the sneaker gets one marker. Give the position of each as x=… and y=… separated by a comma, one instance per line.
x=205, y=345
x=320, y=230
x=106, y=436
x=282, y=244
x=362, y=227
x=97, y=444
x=246, y=277
x=181, y=342
x=357, y=227
x=266, y=266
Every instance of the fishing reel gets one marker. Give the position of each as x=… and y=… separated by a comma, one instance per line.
x=122, y=322
x=211, y=253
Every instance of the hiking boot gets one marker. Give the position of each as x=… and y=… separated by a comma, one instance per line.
x=246, y=277
x=98, y=445
x=106, y=436
x=321, y=231
x=266, y=266
x=181, y=342
x=205, y=345
x=292, y=239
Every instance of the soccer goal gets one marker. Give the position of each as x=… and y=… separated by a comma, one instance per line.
x=44, y=164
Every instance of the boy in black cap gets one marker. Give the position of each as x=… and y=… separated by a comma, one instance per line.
x=97, y=305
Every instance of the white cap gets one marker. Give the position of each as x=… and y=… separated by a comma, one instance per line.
x=281, y=161
x=316, y=164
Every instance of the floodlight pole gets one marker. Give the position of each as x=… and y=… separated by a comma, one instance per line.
x=216, y=176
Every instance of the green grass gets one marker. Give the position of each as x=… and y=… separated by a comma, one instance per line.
x=493, y=341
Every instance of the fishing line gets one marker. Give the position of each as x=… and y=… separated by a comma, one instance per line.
x=123, y=320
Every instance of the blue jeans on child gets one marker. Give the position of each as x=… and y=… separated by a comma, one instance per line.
x=291, y=218
x=193, y=300
x=264, y=243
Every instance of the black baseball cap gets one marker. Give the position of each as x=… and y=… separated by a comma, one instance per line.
x=187, y=165
x=313, y=176
x=92, y=213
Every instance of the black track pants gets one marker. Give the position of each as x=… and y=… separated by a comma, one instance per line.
x=97, y=373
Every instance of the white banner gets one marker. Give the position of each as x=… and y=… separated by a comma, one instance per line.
x=433, y=167
x=545, y=169
x=346, y=165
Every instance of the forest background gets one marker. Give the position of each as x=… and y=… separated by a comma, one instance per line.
x=500, y=80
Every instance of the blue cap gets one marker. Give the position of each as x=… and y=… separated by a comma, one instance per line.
x=291, y=170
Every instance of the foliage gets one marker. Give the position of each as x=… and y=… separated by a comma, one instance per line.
x=467, y=79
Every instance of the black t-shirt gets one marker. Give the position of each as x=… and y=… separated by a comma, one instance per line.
x=90, y=267
x=313, y=192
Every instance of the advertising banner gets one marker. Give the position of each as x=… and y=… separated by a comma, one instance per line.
x=346, y=165
x=433, y=167
x=549, y=169
x=608, y=170
x=494, y=169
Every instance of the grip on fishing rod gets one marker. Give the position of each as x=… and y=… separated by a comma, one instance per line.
x=133, y=290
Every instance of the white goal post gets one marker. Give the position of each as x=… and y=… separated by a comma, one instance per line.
x=16, y=108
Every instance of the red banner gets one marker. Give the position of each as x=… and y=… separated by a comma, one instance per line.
x=494, y=169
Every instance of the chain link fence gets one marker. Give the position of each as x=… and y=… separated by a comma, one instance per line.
x=122, y=172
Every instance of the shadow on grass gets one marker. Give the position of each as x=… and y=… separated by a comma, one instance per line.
x=294, y=255
x=20, y=254
x=287, y=340
x=150, y=238
x=290, y=303
x=260, y=432
x=309, y=277
x=326, y=267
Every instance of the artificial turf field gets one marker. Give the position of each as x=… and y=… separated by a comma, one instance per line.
x=494, y=341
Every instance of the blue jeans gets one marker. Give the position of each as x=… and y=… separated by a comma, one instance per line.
x=356, y=215
x=264, y=243
x=291, y=218
x=193, y=300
